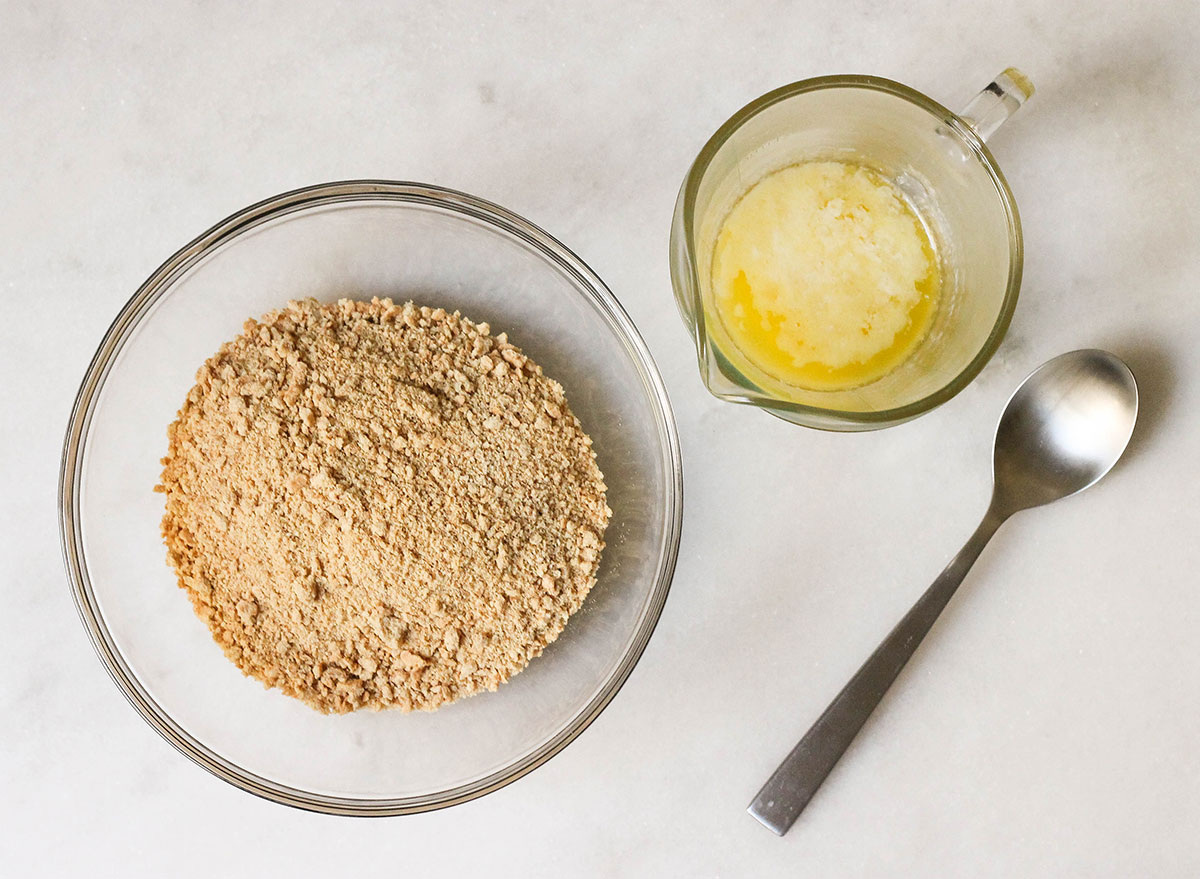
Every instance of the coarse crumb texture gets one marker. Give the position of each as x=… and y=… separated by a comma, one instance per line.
x=374, y=505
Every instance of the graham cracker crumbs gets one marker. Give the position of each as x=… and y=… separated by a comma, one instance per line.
x=374, y=505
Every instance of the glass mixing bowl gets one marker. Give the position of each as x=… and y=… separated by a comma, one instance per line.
x=362, y=239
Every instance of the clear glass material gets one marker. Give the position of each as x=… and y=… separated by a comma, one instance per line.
x=361, y=239
x=938, y=160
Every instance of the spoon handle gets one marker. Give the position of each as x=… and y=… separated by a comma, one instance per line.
x=788, y=791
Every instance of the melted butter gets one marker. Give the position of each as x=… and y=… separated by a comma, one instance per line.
x=824, y=277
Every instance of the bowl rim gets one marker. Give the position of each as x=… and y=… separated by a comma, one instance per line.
x=129, y=319
x=844, y=419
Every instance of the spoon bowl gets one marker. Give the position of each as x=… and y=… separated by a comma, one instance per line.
x=1063, y=429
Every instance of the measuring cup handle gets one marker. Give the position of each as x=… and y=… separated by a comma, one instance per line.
x=990, y=108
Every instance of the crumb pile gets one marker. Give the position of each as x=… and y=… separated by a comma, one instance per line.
x=375, y=505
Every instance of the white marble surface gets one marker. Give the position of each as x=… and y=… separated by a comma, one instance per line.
x=1051, y=724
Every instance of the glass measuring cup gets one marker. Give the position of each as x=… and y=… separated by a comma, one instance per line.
x=938, y=159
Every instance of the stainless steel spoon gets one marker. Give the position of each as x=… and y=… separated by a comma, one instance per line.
x=1063, y=429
